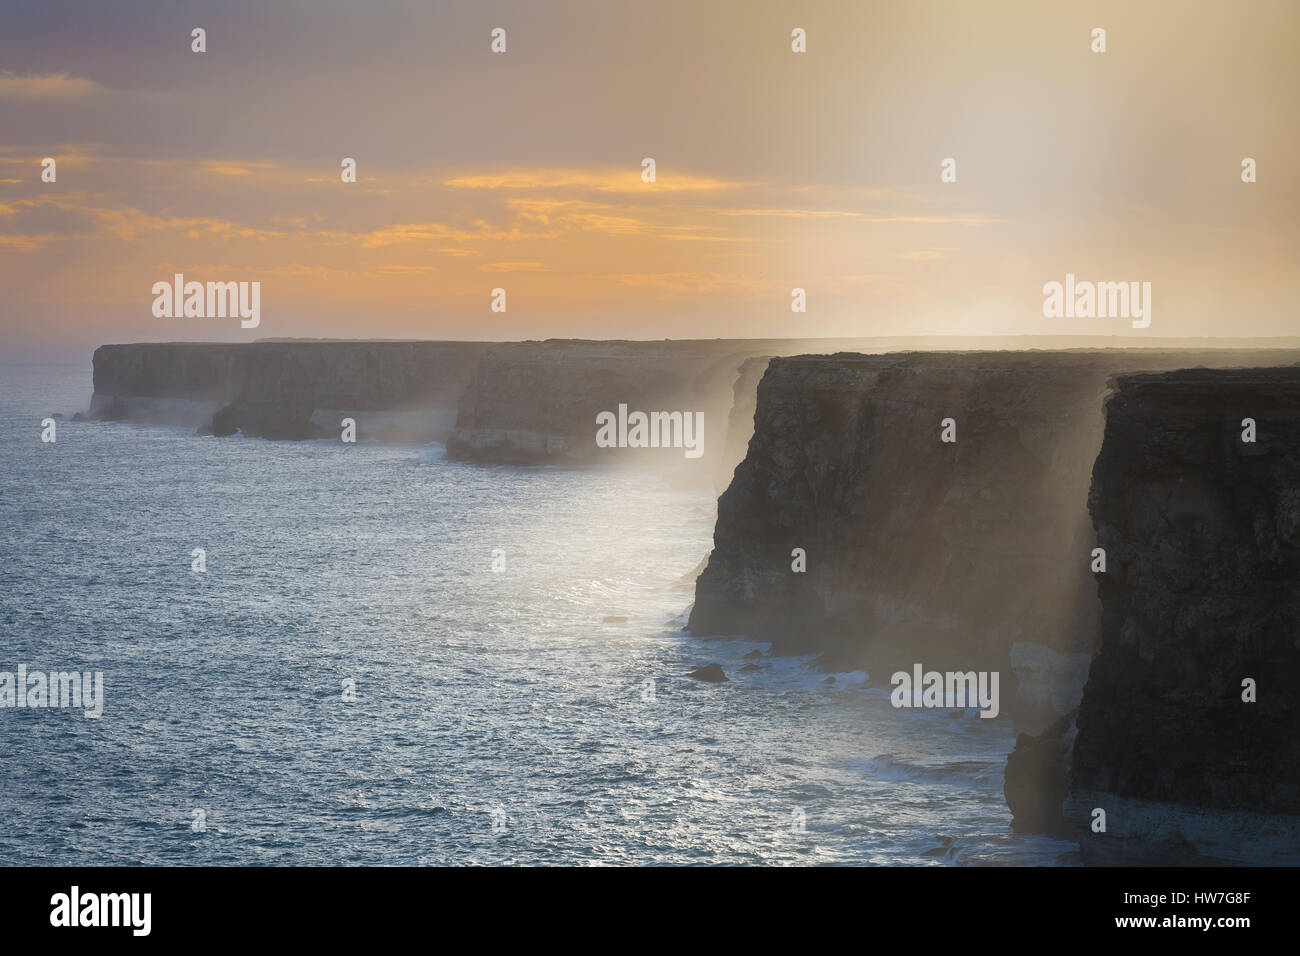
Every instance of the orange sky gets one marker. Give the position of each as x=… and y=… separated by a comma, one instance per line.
x=774, y=169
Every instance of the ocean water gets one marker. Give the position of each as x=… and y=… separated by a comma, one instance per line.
x=497, y=717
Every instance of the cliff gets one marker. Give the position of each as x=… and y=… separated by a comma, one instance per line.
x=538, y=402
x=521, y=402
x=1202, y=535
x=740, y=420
x=533, y=403
x=301, y=389
x=518, y=402
x=972, y=554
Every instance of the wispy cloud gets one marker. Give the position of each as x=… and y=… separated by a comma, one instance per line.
x=227, y=168
x=45, y=86
x=512, y=267
x=597, y=180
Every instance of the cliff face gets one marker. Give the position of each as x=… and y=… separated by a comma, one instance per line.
x=538, y=402
x=919, y=550
x=1202, y=591
x=530, y=403
x=406, y=390
x=740, y=420
x=522, y=402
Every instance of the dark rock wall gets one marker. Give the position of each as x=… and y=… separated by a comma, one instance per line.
x=1202, y=590
x=918, y=550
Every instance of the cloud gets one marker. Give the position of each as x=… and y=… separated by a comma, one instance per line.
x=398, y=270
x=45, y=86
x=597, y=180
x=223, y=168
x=688, y=237
x=789, y=213
x=33, y=223
x=406, y=232
x=512, y=267
x=972, y=220
x=576, y=214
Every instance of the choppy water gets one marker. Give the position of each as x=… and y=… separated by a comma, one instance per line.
x=475, y=691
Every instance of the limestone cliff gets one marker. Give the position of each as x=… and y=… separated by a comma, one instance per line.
x=299, y=389
x=920, y=550
x=1202, y=592
x=532, y=402
x=538, y=402
x=740, y=420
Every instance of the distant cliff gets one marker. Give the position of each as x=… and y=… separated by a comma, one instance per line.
x=973, y=554
x=401, y=390
x=520, y=402
x=1202, y=592
x=517, y=402
x=538, y=402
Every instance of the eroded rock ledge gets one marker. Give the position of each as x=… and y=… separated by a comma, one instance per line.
x=1202, y=591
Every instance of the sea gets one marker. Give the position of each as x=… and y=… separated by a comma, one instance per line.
x=391, y=658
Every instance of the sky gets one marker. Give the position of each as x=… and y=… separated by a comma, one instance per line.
x=523, y=170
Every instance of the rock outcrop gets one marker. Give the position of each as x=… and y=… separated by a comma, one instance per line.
x=709, y=673
x=404, y=391
x=1036, y=777
x=1201, y=595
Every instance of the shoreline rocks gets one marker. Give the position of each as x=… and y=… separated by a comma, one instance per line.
x=709, y=673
